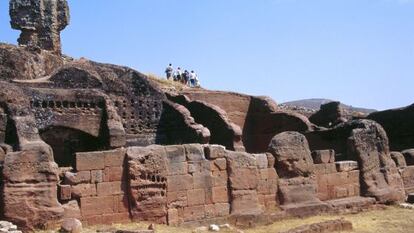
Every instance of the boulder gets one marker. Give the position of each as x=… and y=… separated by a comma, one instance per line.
x=398, y=159
x=71, y=225
x=409, y=156
x=329, y=115
x=292, y=154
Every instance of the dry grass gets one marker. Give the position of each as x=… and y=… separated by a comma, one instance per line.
x=167, y=85
x=389, y=220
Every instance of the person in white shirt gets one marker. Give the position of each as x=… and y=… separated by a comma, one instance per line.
x=193, y=77
x=178, y=74
x=169, y=71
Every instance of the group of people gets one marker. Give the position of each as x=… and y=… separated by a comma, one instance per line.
x=189, y=78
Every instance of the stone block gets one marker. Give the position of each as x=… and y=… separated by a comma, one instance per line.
x=220, y=178
x=179, y=168
x=83, y=190
x=196, y=197
x=172, y=217
x=121, y=204
x=270, y=160
x=261, y=160
x=97, y=176
x=345, y=166
x=194, y=213
x=215, y=151
x=202, y=180
x=175, y=154
x=71, y=210
x=324, y=168
x=323, y=156
x=217, y=210
x=65, y=192
x=177, y=199
x=110, y=188
x=113, y=174
x=244, y=178
x=194, y=152
x=220, y=194
x=90, y=161
x=115, y=218
x=245, y=202
x=96, y=206
x=115, y=158
x=219, y=164
x=179, y=183
x=77, y=178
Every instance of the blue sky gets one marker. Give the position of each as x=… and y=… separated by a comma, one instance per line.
x=360, y=52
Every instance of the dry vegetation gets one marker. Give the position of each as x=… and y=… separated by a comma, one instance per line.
x=389, y=220
x=166, y=85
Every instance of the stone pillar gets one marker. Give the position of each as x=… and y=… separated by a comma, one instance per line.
x=40, y=22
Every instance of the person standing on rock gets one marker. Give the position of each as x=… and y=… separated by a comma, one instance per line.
x=178, y=74
x=186, y=77
x=169, y=71
x=193, y=78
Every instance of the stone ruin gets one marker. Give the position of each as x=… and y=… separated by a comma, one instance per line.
x=107, y=144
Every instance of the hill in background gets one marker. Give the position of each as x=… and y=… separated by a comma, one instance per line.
x=315, y=104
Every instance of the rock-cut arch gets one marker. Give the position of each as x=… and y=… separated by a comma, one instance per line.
x=65, y=142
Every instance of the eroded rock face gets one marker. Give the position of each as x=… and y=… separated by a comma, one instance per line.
x=30, y=189
x=329, y=115
x=40, y=22
x=293, y=157
x=366, y=142
x=398, y=123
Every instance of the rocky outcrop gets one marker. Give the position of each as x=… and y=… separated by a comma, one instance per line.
x=366, y=142
x=40, y=22
x=398, y=124
x=30, y=189
x=329, y=115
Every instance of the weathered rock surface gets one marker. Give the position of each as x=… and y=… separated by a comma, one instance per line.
x=30, y=189
x=408, y=156
x=293, y=157
x=329, y=115
x=366, y=142
x=71, y=225
x=324, y=227
x=40, y=22
x=399, y=159
x=398, y=124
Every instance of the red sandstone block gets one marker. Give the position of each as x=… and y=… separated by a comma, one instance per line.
x=202, y=180
x=324, y=168
x=271, y=202
x=172, y=217
x=175, y=154
x=323, y=156
x=121, y=204
x=65, y=192
x=194, y=213
x=113, y=174
x=83, y=190
x=220, y=194
x=91, y=206
x=217, y=210
x=180, y=168
x=179, y=183
x=97, y=176
x=93, y=220
x=341, y=192
x=110, y=188
x=219, y=164
x=220, y=178
x=244, y=178
x=196, y=197
x=90, y=161
x=209, y=196
x=177, y=199
x=114, y=158
x=215, y=151
x=115, y=218
x=77, y=178
x=353, y=176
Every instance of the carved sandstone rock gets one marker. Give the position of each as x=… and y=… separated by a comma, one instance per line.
x=40, y=22
x=329, y=115
x=292, y=154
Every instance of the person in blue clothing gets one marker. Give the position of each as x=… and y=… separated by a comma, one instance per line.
x=169, y=71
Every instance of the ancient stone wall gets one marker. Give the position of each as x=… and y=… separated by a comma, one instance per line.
x=96, y=191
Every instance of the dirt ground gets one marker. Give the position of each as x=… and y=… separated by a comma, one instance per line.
x=390, y=220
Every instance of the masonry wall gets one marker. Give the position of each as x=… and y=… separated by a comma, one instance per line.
x=99, y=186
